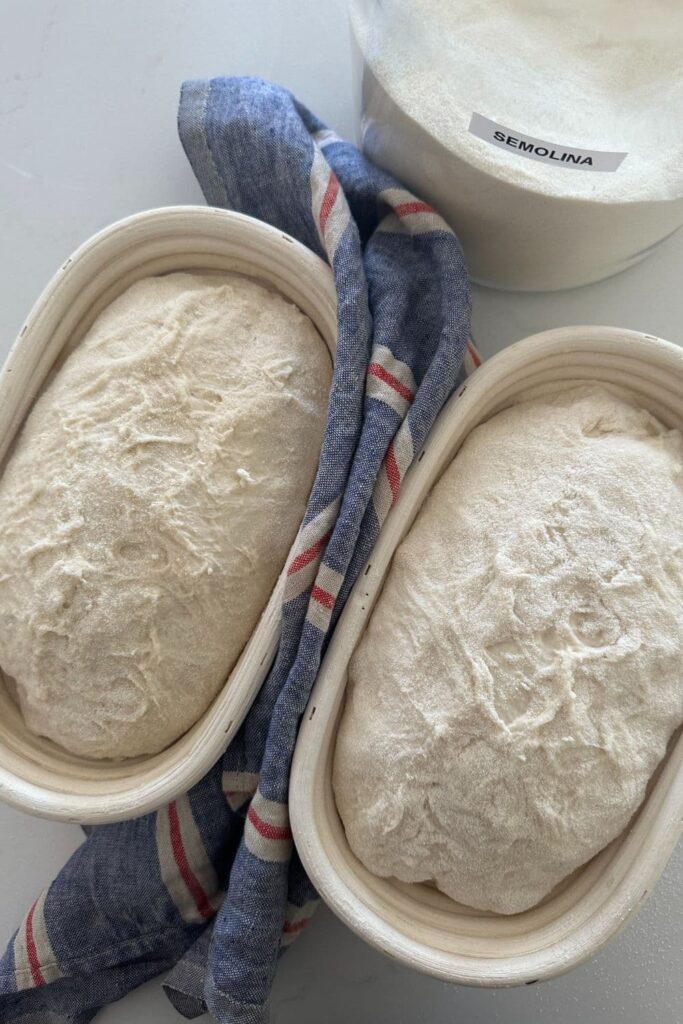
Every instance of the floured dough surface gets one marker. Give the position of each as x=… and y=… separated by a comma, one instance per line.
x=520, y=675
x=149, y=506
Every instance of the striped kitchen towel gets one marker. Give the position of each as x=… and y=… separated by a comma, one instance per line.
x=211, y=884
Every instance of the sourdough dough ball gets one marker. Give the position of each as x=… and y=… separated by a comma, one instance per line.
x=521, y=674
x=149, y=506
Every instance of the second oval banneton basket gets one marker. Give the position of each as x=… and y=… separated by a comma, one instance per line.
x=35, y=774
x=415, y=923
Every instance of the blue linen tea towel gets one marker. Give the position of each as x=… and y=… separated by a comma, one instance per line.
x=212, y=883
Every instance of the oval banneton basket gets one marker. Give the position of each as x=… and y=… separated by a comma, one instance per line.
x=36, y=775
x=415, y=923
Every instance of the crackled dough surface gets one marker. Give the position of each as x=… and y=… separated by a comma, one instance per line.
x=520, y=675
x=149, y=506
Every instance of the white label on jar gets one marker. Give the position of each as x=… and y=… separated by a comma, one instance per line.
x=546, y=152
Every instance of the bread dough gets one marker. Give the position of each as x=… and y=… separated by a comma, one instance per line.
x=520, y=676
x=149, y=506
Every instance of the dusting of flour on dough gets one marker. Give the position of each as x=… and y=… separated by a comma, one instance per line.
x=520, y=676
x=149, y=506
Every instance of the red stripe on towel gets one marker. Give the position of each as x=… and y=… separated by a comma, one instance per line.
x=186, y=873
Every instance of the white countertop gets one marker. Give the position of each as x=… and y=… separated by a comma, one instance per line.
x=88, y=96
